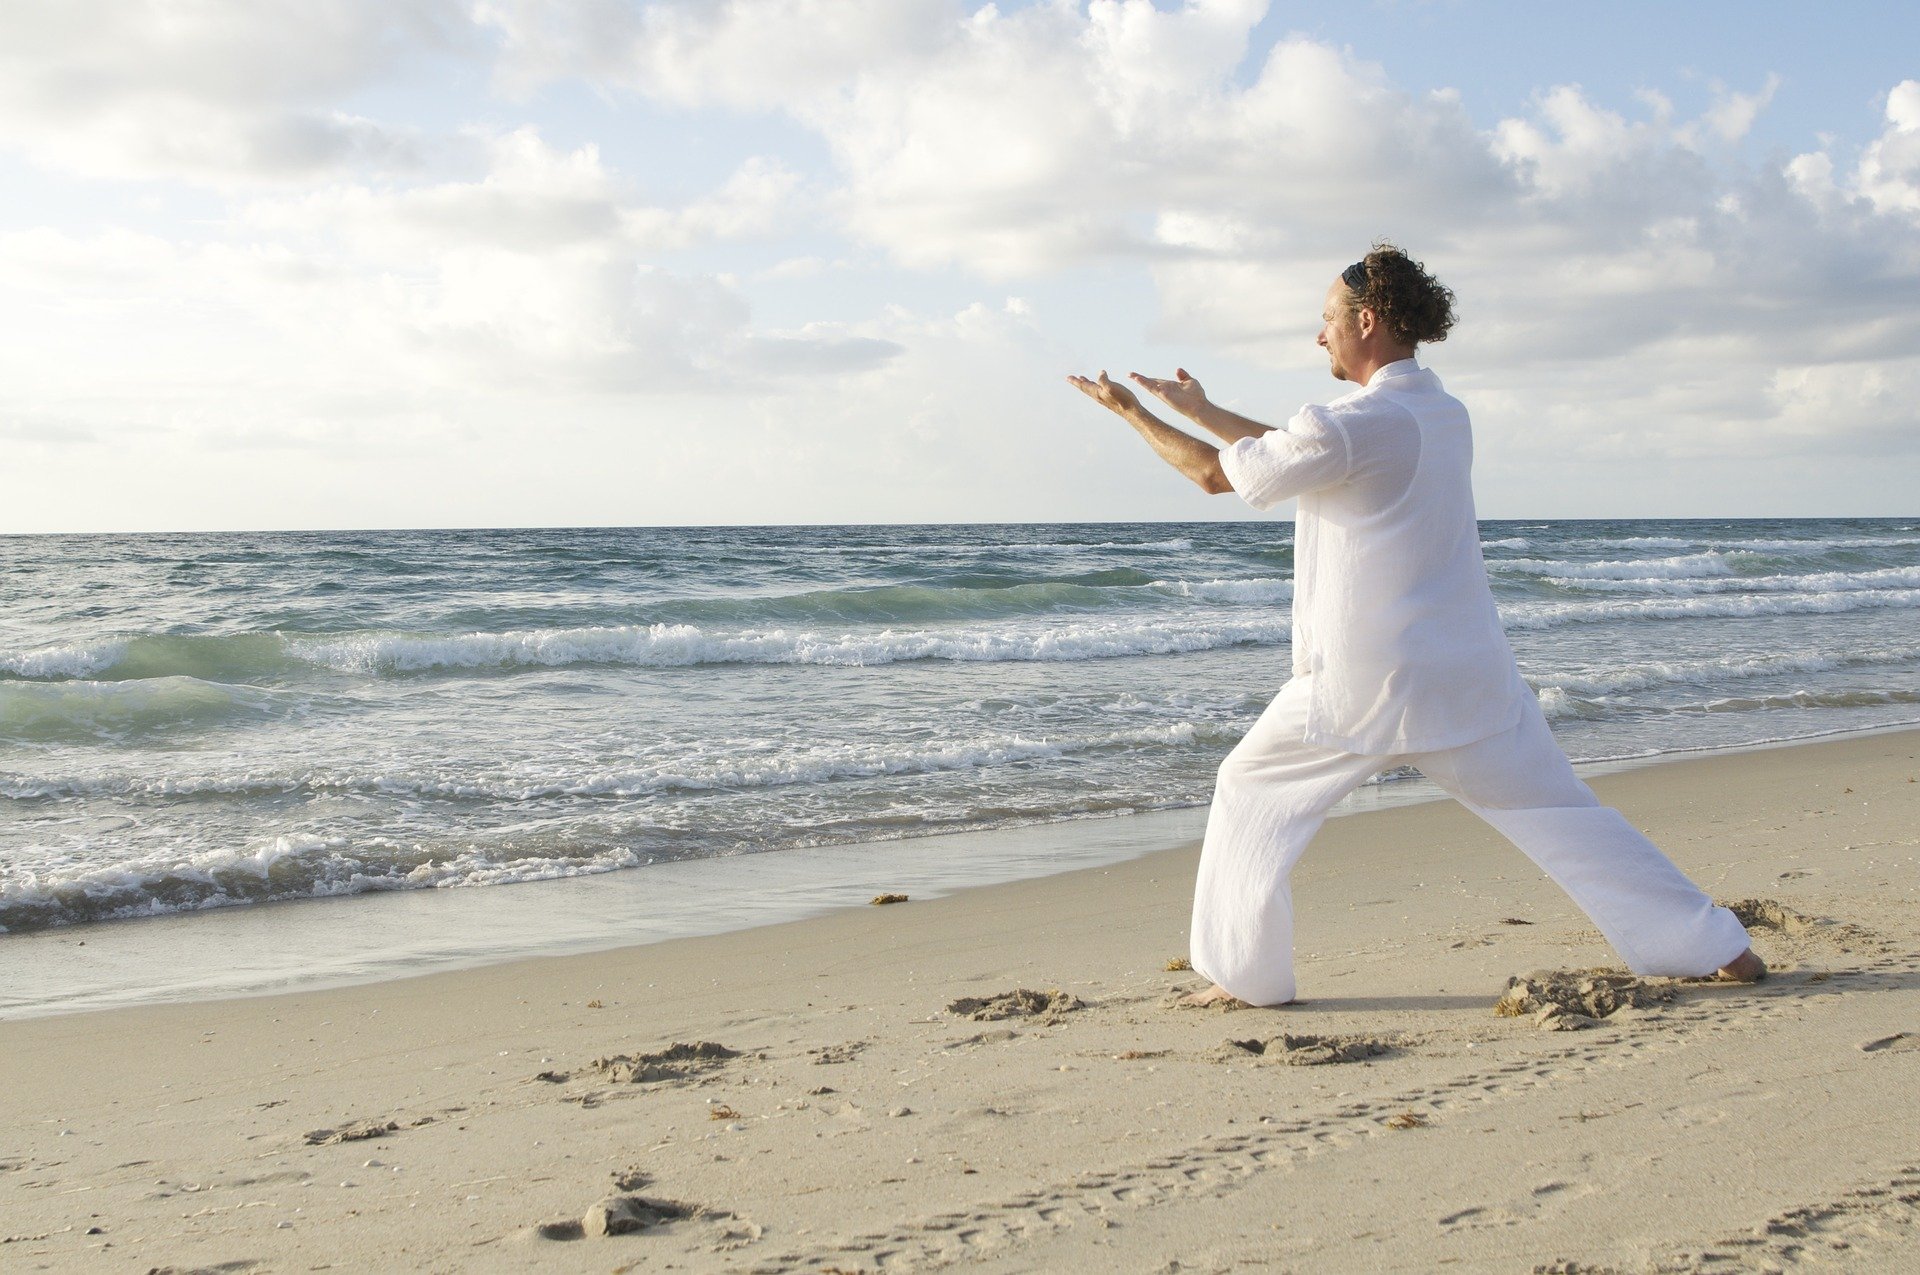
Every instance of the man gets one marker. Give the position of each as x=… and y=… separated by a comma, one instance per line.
x=1398, y=655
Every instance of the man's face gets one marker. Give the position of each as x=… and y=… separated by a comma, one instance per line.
x=1339, y=330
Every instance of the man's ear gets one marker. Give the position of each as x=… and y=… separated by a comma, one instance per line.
x=1364, y=319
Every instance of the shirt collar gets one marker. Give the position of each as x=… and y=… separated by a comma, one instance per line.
x=1387, y=371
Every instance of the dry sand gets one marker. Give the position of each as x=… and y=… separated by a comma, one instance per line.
x=996, y=1079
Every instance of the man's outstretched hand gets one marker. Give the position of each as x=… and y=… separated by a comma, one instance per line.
x=1197, y=460
x=1183, y=394
x=1115, y=398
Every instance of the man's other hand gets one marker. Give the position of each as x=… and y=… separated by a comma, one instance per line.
x=1115, y=398
x=1183, y=394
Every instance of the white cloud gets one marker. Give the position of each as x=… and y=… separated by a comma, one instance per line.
x=226, y=91
x=536, y=281
x=1732, y=115
x=748, y=54
x=1889, y=173
x=532, y=198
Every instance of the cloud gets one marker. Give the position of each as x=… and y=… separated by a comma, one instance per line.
x=1636, y=289
x=539, y=278
x=222, y=91
x=1606, y=257
x=531, y=198
x=745, y=54
x=1889, y=173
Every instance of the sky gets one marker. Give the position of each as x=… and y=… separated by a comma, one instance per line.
x=429, y=263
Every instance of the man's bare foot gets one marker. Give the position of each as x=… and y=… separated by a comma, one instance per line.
x=1215, y=995
x=1744, y=968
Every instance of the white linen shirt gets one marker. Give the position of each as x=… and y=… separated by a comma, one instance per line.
x=1392, y=612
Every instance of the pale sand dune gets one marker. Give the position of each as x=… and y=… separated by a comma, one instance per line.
x=861, y=1090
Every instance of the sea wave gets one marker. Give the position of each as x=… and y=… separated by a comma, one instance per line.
x=1176, y=544
x=1547, y=615
x=972, y=597
x=307, y=866
x=1643, y=542
x=84, y=710
x=1239, y=591
x=1858, y=698
x=1812, y=582
x=1749, y=544
x=670, y=645
x=698, y=769
x=1654, y=673
x=1685, y=566
x=227, y=658
x=1050, y=639
x=1825, y=544
x=1558, y=704
x=287, y=867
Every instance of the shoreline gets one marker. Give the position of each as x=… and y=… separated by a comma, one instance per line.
x=849, y=1109
x=295, y=945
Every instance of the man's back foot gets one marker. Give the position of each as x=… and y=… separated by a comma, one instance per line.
x=1215, y=997
x=1744, y=968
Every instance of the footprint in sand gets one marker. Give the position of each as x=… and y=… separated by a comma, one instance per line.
x=355, y=1132
x=677, y=1062
x=1292, y=1049
x=617, y=1215
x=1899, y=1041
x=830, y=1055
x=1019, y=1003
x=1774, y=917
x=1569, y=1000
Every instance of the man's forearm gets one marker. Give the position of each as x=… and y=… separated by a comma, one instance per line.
x=1229, y=427
x=1198, y=460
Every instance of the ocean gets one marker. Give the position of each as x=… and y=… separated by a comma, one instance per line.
x=215, y=721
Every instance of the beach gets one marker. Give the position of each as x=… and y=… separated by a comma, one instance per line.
x=996, y=1078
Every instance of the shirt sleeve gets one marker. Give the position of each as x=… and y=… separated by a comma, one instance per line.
x=1311, y=452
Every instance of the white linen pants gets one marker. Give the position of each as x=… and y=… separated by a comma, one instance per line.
x=1274, y=792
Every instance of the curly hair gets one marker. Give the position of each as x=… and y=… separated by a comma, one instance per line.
x=1413, y=304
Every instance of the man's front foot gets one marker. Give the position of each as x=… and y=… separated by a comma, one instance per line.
x=1744, y=968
